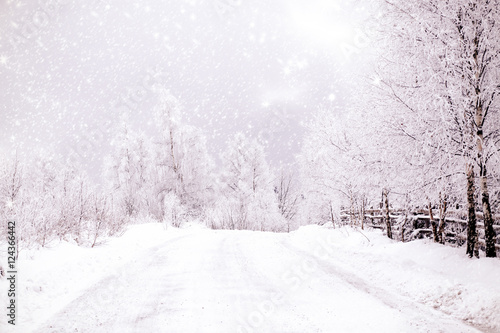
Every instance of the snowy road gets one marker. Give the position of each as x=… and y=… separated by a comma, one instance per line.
x=223, y=281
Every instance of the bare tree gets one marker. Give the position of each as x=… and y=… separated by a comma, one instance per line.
x=288, y=197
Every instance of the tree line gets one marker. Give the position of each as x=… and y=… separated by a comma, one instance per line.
x=167, y=177
x=424, y=129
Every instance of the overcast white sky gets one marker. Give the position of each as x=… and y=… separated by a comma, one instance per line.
x=262, y=67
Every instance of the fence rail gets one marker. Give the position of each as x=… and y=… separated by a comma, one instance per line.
x=417, y=225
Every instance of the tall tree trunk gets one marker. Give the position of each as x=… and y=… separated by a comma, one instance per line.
x=351, y=211
x=490, y=236
x=489, y=232
x=363, y=208
x=332, y=216
x=479, y=119
x=471, y=223
x=387, y=213
x=433, y=224
x=443, y=206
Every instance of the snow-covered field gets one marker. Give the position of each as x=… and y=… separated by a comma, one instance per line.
x=316, y=279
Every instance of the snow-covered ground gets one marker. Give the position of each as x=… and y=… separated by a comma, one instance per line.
x=316, y=279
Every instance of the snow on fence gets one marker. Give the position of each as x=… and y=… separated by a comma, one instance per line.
x=417, y=225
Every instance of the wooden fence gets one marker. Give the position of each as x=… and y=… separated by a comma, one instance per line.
x=417, y=225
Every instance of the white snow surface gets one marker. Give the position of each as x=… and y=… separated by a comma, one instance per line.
x=315, y=279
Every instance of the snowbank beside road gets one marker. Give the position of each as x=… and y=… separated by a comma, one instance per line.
x=442, y=277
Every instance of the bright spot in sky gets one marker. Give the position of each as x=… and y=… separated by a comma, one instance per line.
x=331, y=97
x=3, y=60
x=321, y=21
